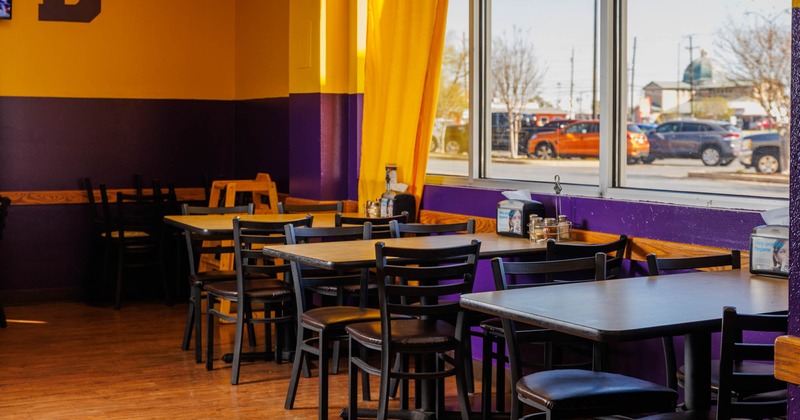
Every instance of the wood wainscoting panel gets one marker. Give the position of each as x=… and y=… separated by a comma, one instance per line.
x=787, y=359
x=638, y=248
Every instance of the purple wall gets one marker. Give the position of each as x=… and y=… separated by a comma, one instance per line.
x=53, y=143
x=794, y=199
x=324, y=145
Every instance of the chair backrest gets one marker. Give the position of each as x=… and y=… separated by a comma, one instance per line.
x=209, y=246
x=508, y=275
x=380, y=225
x=289, y=208
x=733, y=382
x=137, y=214
x=306, y=277
x=614, y=250
x=399, y=230
x=249, y=238
x=5, y=203
x=657, y=265
x=429, y=276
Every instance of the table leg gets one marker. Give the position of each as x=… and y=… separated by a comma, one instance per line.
x=697, y=349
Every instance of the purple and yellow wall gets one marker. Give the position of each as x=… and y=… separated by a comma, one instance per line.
x=171, y=90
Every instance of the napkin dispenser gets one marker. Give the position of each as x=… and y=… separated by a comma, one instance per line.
x=513, y=216
x=769, y=250
x=394, y=203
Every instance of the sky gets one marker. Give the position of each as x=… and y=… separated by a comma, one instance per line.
x=662, y=29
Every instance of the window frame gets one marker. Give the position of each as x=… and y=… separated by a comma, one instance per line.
x=613, y=91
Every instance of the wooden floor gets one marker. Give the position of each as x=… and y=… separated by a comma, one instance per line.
x=70, y=360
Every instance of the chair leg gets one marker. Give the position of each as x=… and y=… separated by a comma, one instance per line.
x=335, y=357
x=383, y=396
x=352, y=382
x=322, y=371
x=209, y=333
x=187, y=331
x=3, y=321
x=238, y=338
x=299, y=356
x=118, y=292
x=500, y=375
x=486, y=376
x=197, y=296
x=461, y=384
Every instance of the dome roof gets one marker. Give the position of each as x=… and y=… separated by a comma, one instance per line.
x=702, y=68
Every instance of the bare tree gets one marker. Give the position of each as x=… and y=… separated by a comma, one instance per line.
x=759, y=52
x=453, y=81
x=517, y=78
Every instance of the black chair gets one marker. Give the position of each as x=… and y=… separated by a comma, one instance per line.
x=571, y=393
x=657, y=266
x=614, y=250
x=320, y=327
x=745, y=394
x=472, y=319
x=515, y=275
x=138, y=233
x=399, y=229
x=380, y=225
x=289, y=208
x=199, y=247
x=426, y=275
x=5, y=203
x=260, y=280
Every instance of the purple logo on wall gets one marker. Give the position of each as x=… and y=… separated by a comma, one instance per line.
x=58, y=10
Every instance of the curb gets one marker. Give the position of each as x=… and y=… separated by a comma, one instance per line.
x=772, y=179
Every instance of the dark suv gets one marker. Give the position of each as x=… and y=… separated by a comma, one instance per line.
x=713, y=142
x=763, y=152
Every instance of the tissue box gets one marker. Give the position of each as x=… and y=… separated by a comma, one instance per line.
x=513, y=216
x=769, y=250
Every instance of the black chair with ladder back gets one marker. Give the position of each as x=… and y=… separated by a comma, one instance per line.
x=570, y=393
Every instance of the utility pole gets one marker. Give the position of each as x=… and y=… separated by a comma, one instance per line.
x=571, y=81
x=691, y=76
x=633, y=68
x=594, y=64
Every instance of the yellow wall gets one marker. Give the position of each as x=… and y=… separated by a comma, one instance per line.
x=180, y=49
x=322, y=42
x=262, y=49
x=186, y=49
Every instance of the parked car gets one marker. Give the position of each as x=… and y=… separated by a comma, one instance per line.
x=582, y=139
x=449, y=137
x=713, y=142
x=646, y=127
x=547, y=128
x=763, y=152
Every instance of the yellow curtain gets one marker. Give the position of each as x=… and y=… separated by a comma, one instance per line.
x=405, y=40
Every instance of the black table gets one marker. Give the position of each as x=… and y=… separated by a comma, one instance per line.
x=644, y=307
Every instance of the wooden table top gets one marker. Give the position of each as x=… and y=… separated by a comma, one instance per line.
x=637, y=308
x=215, y=224
x=359, y=254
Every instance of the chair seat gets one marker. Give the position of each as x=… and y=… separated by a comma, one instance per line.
x=575, y=392
x=328, y=317
x=495, y=326
x=747, y=367
x=256, y=289
x=408, y=333
x=204, y=277
x=350, y=289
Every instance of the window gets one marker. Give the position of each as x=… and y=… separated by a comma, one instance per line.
x=536, y=62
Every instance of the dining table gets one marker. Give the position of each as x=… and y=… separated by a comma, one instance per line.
x=629, y=309
x=361, y=254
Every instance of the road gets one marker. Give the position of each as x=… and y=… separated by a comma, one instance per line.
x=667, y=174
